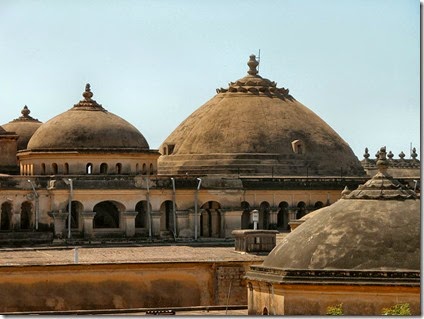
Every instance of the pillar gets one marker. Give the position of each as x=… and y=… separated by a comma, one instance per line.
x=59, y=219
x=155, y=224
x=129, y=223
x=87, y=223
x=184, y=229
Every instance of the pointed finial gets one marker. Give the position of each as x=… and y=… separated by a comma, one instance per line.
x=414, y=153
x=252, y=63
x=401, y=155
x=366, y=154
x=382, y=162
x=87, y=93
x=346, y=191
x=390, y=155
x=25, y=111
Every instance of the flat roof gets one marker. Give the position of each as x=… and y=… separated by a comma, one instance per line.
x=66, y=255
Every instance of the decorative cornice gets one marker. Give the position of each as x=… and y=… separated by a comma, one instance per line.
x=382, y=186
x=392, y=163
x=255, y=84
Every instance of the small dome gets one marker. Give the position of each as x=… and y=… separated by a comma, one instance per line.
x=24, y=126
x=375, y=227
x=87, y=126
x=254, y=127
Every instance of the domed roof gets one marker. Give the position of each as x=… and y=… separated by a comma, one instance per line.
x=87, y=126
x=376, y=227
x=254, y=127
x=24, y=126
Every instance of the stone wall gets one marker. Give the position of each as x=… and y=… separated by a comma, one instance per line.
x=119, y=286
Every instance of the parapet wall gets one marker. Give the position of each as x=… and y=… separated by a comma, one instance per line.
x=121, y=286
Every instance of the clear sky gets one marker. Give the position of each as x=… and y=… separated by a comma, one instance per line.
x=354, y=63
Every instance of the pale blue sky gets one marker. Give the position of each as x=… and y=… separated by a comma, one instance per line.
x=354, y=63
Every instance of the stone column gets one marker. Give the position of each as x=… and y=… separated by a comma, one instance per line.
x=87, y=223
x=183, y=229
x=232, y=221
x=155, y=224
x=59, y=219
x=129, y=223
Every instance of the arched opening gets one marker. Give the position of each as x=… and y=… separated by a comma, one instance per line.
x=103, y=168
x=264, y=209
x=54, y=168
x=152, y=171
x=167, y=216
x=6, y=216
x=283, y=216
x=210, y=220
x=144, y=169
x=107, y=215
x=245, y=216
x=43, y=169
x=76, y=209
x=66, y=168
x=301, y=210
x=141, y=218
x=265, y=311
x=89, y=169
x=137, y=168
x=26, y=215
x=118, y=168
x=319, y=205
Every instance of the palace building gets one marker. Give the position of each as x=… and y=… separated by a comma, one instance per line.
x=252, y=146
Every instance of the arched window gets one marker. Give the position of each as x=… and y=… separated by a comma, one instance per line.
x=107, y=215
x=151, y=169
x=26, y=215
x=319, y=205
x=66, y=167
x=89, y=169
x=103, y=168
x=283, y=216
x=118, y=168
x=245, y=217
x=301, y=210
x=43, y=169
x=54, y=168
x=141, y=218
x=144, y=170
x=264, y=210
x=298, y=147
x=6, y=216
x=137, y=168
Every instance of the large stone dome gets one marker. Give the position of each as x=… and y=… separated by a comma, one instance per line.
x=24, y=126
x=87, y=126
x=253, y=127
x=376, y=227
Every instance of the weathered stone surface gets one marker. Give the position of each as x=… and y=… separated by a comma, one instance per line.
x=255, y=128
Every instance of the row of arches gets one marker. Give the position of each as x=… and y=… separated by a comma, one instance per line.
x=25, y=221
x=283, y=216
x=211, y=220
x=90, y=169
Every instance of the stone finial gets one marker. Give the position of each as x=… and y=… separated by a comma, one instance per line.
x=87, y=93
x=25, y=111
x=366, y=154
x=252, y=63
x=382, y=162
x=346, y=191
x=401, y=155
x=414, y=154
x=377, y=154
x=390, y=155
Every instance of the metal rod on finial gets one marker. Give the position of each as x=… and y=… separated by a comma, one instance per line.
x=259, y=58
